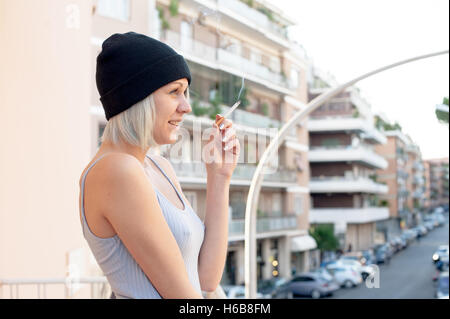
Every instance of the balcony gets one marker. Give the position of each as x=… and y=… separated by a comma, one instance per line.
x=418, y=194
x=418, y=166
x=190, y=47
x=249, y=67
x=239, y=12
x=251, y=119
x=264, y=225
x=348, y=215
x=226, y=61
x=195, y=172
x=342, y=184
x=359, y=154
x=345, y=124
x=419, y=180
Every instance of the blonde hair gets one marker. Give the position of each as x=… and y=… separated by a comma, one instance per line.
x=134, y=125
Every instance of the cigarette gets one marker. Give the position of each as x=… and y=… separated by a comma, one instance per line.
x=223, y=117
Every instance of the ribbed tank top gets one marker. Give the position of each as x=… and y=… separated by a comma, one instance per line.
x=125, y=276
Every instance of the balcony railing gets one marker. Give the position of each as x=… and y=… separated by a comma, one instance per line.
x=190, y=46
x=242, y=172
x=346, y=123
x=249, y=67
x=348, y=184
x=99, y=287
x=266, y=224
x=252, y=119
x=347, y=153
x=348, y=215
x=256, y=17
x=203, y=52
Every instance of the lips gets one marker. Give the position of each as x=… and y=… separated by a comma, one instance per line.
x=175, y=123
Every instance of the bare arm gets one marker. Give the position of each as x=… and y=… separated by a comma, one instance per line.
x=131, y=206
x=214, y=249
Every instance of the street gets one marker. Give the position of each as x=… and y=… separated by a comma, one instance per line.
x=409, y=274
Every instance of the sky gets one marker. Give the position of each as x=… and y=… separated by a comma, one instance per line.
x=351, y=37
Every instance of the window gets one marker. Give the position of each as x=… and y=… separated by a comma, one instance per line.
x=276, y=204
x=298, y=204
x=275, y=64
x=116, y=9
x=186, y=37
x=255, y=56
x=234, y=46
x=294, y=78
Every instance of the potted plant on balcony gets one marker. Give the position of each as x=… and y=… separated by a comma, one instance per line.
x=173, y=7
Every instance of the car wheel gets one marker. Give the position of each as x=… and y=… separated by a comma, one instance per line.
x=348, y=284
x=315, y=294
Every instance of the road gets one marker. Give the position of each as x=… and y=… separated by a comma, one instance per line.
x=409, y=274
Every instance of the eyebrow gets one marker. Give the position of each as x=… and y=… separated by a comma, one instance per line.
x=179, y=83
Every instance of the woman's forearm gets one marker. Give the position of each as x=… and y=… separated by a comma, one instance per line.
x=214, y=249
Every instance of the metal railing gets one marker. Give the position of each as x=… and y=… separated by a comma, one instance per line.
x=254, y=16
x=242, y=171
x=265, y=224
x=99, y=287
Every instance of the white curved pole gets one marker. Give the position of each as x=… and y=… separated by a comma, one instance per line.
x=255, y=186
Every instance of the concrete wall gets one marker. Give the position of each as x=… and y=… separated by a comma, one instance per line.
x=44, y=99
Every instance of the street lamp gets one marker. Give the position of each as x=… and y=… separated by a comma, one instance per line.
x=255, y=186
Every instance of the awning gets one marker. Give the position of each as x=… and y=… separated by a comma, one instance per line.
x=303, y=243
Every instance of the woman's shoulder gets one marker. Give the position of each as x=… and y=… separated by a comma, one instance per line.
x=111, y=165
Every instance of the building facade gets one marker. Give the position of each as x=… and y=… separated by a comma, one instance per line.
x=436, y=182
x=343, y=186
x=405, y=176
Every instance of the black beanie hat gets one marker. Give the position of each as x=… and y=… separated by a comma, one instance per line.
x=132, y=66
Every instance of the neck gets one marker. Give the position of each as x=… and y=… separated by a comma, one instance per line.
x=121, y=147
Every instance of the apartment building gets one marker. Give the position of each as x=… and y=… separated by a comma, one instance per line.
x=405, y=176
x=397, y=176
x=343, y=185
x=436, y=182
x=415, y=183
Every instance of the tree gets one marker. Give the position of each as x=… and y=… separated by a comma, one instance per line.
x=324, y=236
x=442, y=111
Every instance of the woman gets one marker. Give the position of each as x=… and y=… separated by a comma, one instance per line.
x=145, y=236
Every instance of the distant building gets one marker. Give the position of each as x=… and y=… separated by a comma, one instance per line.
x=344, y=189
x=437, y=176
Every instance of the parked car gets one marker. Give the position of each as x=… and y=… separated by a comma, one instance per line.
x=442, y=250
x=383, y=253
x=364, y=271
x=324, y=273
x=237, y=292
x=345, y=276
x=307, y=284
x=429, y=225
x=439, y=218
x=268, y=286
x=409, y=235
x=369, y=257
x=422, y=230
x=442, y=286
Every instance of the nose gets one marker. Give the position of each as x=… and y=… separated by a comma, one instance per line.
x=184, y=106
